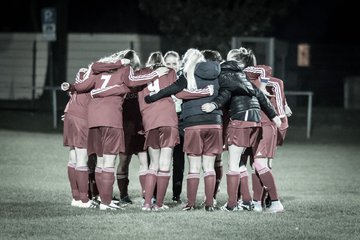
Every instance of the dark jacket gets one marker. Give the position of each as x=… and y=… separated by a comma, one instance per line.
x=206, y=73
x=246, y=100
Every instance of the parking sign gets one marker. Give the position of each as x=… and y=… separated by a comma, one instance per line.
x=48, y=18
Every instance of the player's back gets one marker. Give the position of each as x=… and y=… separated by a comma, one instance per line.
x=107, y=111
x=161, y=112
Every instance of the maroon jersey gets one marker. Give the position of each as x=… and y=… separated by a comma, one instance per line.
x=106, y=110
x=78, y=103
x=75, y=122
x=256, y=74
x=162, y=112
x=276, y=88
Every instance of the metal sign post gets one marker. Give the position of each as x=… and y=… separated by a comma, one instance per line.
x=48, y=17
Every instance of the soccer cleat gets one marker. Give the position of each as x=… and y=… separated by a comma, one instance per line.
x=257, y=206
x=146, y=207
x=95, y=205
x=88, y=204
x=165, y=206
x=142, y=201
x=214, y=202
x=111, y=206
x=162, y=208
x=209, y=208
x=96, y=201
x=115, y=200
x=188, y=208
x=275, y=207
x=248, y=206
x=226, y=208
x=126, y=200
x=176, y=200
x=75, y=203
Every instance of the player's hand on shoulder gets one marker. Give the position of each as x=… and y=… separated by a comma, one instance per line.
x=208, y=107
x=266, y=93
x=277, y=121
x=288, y=111
x=125, y=61
x=162, y=71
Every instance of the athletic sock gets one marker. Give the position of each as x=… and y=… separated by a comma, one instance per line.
x=82, y=180
x=193, y=180
x=108, y=179
x=209, y=181
x=162, y=183
x=72, y=179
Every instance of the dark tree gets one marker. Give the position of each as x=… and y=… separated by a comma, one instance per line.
x=211, y=24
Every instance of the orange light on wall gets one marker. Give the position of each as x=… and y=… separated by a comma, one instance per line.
x=303, y=56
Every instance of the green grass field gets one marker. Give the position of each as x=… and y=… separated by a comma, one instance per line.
x=318, y=183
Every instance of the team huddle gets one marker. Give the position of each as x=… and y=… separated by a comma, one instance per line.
x=199, y=105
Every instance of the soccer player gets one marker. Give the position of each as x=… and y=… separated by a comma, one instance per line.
x=159, y=130
x=75, y=135
x=265, y=151
x=212, y=55
x=202, y=138
x=172, y=60
x=106, y=136
x=134, y=144
x=161, y=134
x=244, y=127
x=203, y=132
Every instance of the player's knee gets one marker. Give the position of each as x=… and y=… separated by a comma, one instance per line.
x=154, y=166
x=260, y=164
x=72, y=157
x=109, y=161
x=194, y=168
